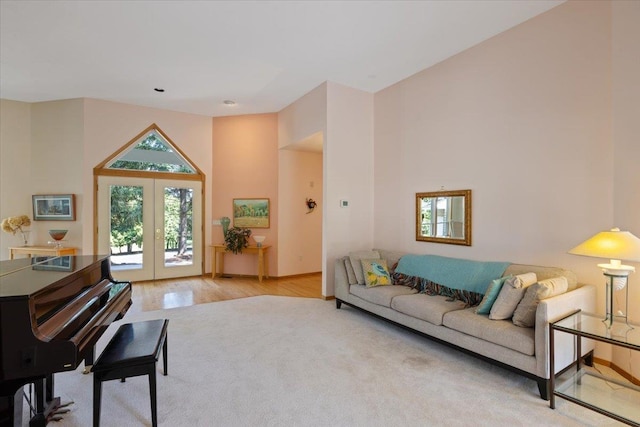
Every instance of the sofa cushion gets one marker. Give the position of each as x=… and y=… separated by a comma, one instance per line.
x=375, y=272
x=351, y=275
x=543, y=273
x=380, y=295
x=525, y=314
x=392, y=257
x=491, y=295
x=510, y=295
x=430, y=308
x=501, y=332
x=355, y=258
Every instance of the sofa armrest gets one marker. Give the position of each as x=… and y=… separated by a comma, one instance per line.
x=341, y=284
x=555, y=308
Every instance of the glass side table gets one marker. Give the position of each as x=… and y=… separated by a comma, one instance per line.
x=618, y=399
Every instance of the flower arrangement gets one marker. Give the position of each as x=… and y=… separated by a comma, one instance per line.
x=13, y=224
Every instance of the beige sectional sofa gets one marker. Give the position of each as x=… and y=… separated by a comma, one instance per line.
x=520, y=349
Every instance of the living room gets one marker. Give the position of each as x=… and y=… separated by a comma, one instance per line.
x=540, y=121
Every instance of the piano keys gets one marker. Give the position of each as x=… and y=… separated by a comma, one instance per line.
x=52, y=312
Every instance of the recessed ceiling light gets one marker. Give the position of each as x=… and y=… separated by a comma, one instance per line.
x=229, y=102
x=158, y=89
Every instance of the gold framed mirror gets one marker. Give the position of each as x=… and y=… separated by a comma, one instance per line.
x=444, y=217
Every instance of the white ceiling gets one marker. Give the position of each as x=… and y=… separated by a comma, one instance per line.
x=262, y=54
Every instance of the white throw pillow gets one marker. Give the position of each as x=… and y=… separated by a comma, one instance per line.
x=510, y=295
x=525, y=313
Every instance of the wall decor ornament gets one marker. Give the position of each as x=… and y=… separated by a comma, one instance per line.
x=15, y=224
x=311, y=205
x=54, y=207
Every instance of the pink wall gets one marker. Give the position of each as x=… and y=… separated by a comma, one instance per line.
x=245, y=165
x=300, y=234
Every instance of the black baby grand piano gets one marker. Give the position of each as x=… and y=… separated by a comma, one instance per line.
x=52, y=312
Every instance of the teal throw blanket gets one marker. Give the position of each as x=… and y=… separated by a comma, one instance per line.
x=455, y=273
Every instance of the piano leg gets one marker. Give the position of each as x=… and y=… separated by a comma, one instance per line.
x=11, y=409
x=45, y=404
x=88, y=361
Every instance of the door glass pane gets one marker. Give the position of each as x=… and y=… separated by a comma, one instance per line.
x=152, y=153
x=178, y=226
x=126, y=227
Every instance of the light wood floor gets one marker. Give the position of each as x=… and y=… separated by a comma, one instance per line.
x=182, y=292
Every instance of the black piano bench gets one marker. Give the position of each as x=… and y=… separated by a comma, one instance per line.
x=133, y=351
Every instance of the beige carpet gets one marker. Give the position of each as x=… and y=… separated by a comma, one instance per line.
x=283, y=361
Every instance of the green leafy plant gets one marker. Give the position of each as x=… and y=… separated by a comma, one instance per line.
x=237, y=239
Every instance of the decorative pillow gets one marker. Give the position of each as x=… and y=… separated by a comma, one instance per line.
x=510, y=295
x=525, y=313
x=375, y=272
x=355, y=258
x=351, y=275
x=491, y=295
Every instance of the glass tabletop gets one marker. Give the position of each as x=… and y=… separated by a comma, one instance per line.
x=592, y=326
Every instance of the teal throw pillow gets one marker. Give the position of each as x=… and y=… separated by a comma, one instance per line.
x=491, y=295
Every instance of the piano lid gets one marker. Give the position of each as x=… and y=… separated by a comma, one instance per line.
x=28, y=276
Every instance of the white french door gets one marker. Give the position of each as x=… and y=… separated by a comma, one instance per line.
x=151, y=227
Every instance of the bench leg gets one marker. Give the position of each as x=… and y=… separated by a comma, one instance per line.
x=97, y=397
x=165, y=355
x=152, y=392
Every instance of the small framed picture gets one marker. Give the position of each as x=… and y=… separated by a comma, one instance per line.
x=54, y=207
x=251, y=213
x=61, y=263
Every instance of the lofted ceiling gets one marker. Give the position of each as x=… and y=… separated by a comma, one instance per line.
x=261, y=54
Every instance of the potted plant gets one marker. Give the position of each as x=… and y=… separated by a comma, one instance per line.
x=236, y=239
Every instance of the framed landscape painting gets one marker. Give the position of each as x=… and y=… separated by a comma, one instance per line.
x=55, y=207
x=251, y=213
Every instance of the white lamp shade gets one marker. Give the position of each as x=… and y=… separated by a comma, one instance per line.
x=613, y=244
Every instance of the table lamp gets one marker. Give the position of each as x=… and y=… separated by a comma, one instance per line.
x=617, y=246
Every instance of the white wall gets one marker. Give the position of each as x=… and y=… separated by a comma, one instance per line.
x=626, y=138
x=296, y=122
x=345, y=117
x=349, y=174
x=15, y=167
x=56, y=152
x=305, y=117
x=524, y=121
x=110, y=125
x=62, y=141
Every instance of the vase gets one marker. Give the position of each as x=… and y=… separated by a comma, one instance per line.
x=225, y=221
x=25, y=237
